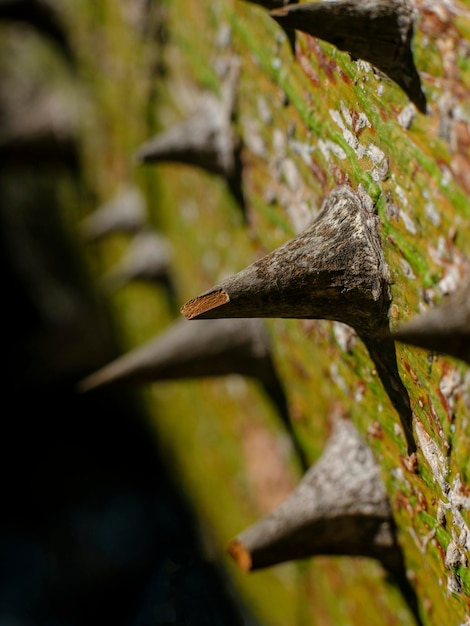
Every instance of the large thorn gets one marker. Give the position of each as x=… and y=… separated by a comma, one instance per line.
x=193, y=351
x=378, y=31
x=339, y=508
x=206, y=139
x=334, y=270
x=124, y=213
x=207, y=349
x=445, y=329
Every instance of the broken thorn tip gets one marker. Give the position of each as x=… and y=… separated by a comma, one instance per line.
x=202, y=304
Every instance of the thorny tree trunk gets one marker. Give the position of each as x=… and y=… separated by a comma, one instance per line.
x=303, y=123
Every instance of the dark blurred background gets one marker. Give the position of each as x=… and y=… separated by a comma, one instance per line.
x=93, y=529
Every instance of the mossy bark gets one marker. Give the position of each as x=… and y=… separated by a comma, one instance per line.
x=307, y=122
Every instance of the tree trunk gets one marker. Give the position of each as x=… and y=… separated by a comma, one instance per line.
x=279, y=123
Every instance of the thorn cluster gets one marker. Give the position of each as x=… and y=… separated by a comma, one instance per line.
x=334, y=270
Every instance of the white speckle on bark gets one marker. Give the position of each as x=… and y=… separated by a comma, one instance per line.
x=253, y=139
x=381, y=171
x=279, y=142
x=345, y=336
x=291, y=174
x=346, y=114
x=451, y=281
x=304, y=150
x=337, y=378
x=434, y=457
x=401, y=195
x=432, y=214
x=406, y=267
x=364, y=66
x=361, y=122
x=446, y=177
x=397, y=430
x=349, y=137
x=408, y=222
x=329, y=146
x=453, y=584
x=223, y=36
x=406, y=116
x=189, y=210
x=264, y=111
x=375, y=154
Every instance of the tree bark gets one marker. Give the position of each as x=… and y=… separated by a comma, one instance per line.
x=302, y=123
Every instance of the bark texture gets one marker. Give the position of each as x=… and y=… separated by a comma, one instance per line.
x=316, y=147
x=378, y=32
